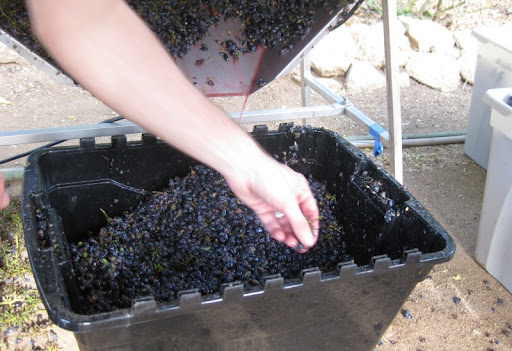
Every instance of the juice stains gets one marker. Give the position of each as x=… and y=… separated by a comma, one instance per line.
x=243, y=108
x=254, y=82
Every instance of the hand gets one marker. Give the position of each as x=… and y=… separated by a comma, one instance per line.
x=271, y=188
x=4, y=197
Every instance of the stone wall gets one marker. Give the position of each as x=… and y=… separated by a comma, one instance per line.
x=427, y=52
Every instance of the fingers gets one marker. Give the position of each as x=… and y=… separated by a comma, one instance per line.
x=309, y=208
x=300, y=226
x=281, y=190
x=301, y=221
x=304, y=216
x=297, y=220
x=281, y=230
x=271, y=224
x=4, y=197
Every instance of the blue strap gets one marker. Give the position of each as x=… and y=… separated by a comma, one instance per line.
x=375, y=131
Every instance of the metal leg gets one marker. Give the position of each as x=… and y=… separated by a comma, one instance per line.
x=393, y=89
x=305, y=72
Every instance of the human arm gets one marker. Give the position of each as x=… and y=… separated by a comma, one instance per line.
x=109, y=50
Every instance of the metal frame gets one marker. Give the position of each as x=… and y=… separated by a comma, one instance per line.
x=338, y=106
x=393, y=139
x=125, y=127
x=308, y=83
x=35, y=59
x=393, y=88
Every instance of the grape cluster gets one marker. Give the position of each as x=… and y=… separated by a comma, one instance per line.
x=193, y=234
x=179, y=24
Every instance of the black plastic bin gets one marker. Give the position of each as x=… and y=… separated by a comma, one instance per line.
x=394, y=245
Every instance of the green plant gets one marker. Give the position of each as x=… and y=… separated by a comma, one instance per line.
x=374, y=5
x=431, y=9
x=406, y=11
x=435, y=9
x=21, y=309
x=441, y=9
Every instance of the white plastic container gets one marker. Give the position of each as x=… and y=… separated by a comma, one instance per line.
x=494, y=242
x=493, y=70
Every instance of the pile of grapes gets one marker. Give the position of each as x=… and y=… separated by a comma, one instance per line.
x=181, y=24
x=193, y=234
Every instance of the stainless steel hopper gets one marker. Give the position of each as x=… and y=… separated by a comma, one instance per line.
x=213, y=71
x=219, y=77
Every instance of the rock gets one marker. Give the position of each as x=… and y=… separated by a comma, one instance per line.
x=467, y=60
x=7, y=55
x=330, y=83
x=370, y=42
x=465, y=40
x=363, y=75
x=468, y=46
x=333, y=85
x=435, y=70
x=428, y=36
x=405, y=80
x=4, y=101
x=333, y=55
x=453, y=53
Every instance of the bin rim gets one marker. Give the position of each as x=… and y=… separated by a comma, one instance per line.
x=61, y=314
